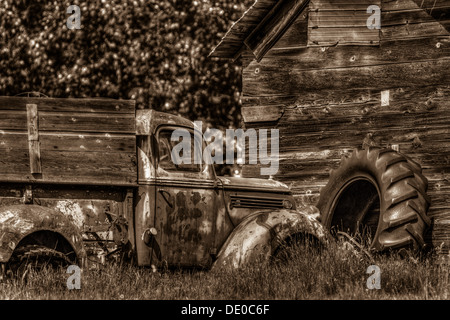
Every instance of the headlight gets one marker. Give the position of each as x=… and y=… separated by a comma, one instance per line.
x=287, y=204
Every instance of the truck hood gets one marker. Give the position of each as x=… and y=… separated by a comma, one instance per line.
x=250, y=184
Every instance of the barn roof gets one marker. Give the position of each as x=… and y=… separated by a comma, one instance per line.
x=259, y=27
x=265, y=22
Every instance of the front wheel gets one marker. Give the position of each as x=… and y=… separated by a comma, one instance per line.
x=381, y=192
x=37, y=258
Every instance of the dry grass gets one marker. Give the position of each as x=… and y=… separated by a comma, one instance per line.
x=332, y=273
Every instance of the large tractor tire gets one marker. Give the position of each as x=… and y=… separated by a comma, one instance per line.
x=381, y=193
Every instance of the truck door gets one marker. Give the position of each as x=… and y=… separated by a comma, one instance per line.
x=185, y=202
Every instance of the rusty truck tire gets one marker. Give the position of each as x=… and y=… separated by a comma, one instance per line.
x=37, y=257
x=381, y=192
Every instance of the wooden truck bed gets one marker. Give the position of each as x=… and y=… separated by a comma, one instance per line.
x=68, y=141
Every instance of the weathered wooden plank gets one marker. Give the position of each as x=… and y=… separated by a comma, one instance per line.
x=83, y=142
x=265, y=80
x=111, y=143
x=86, y=122
x=391, y=5
x=399, y=20
x=338, y=19
x=32, y=122
x=387, y=5
x=68, y=192
x=413, y=30
x=360, y=5
x=412, y=16
x=90, y=105
x=35, y=157
x=322, y=99
x=71, y=167
x=337, y=35
x=347, y=133
x=428, y=3
x=339, y=57
x=13, y=120
x=446, y=25
x=13, y=116
x=33, y=139
x=388, y=18
x=341, y=23
x=411, y=13
x=91, y=167
x=261, y=114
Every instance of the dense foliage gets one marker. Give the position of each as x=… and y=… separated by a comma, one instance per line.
x=153, y=51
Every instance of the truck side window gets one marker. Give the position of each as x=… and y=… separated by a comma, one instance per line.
x=166, y=146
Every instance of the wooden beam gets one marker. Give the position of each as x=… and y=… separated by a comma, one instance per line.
x=272, y=79
x=33, y=139
x=273, y=26
x=262, y=113
x=85, y=105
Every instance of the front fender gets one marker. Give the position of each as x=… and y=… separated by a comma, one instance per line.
x=261, y=233
x=19, y=221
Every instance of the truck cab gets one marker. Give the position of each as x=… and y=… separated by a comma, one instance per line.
x=190, y=209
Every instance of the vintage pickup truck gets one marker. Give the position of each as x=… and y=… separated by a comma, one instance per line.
x=82, y=180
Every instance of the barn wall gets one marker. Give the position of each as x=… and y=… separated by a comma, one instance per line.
x=327, y=100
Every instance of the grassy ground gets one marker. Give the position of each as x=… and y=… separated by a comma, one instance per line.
x=332, y=273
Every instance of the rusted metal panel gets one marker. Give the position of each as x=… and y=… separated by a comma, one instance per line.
x=185, y=220
x=128, y=215
x=261, y=233
x=148, y=121
x=100, y=214
x=260, y=185
x=18, y=221
x=143, y=221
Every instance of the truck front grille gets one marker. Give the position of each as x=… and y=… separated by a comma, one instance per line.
x=240, y=201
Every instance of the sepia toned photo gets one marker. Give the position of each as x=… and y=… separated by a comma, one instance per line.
x=224, y=155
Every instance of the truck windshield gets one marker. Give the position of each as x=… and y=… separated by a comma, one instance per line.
x=174, y=156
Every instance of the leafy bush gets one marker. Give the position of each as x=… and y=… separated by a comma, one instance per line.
x=152, y=51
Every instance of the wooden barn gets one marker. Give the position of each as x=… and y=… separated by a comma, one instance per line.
x=331, y=80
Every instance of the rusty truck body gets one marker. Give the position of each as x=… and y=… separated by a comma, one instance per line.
x=93, y=178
